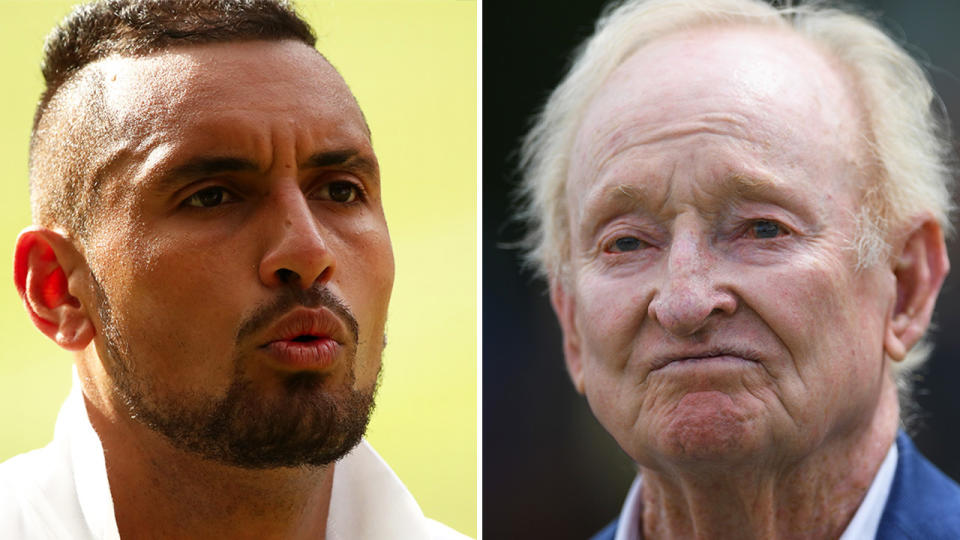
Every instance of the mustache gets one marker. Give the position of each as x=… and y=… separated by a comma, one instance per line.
x=289, y=298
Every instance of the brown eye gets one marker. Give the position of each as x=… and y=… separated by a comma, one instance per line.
x=342, y=192
x=208, y=197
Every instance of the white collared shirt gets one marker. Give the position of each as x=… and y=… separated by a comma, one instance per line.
x=863, y=526
x=61, y=491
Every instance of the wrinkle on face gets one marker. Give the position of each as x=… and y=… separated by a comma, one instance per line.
x=694, y=139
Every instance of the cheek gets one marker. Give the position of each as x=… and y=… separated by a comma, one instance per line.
x=364, y=280
x=831, y=324
x=610, y=312
x=368, y=267
x=830, y=312
x=609, y=317
x=177, y=307
x=365, y=269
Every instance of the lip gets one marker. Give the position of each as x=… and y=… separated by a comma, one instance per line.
x=713, y=356
x=305, y=340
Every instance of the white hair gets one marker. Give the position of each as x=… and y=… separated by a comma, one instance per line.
x=908, y=137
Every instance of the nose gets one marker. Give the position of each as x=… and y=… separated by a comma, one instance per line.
x=692, y=291
x=298, y=254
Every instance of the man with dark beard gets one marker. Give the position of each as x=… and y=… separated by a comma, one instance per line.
x=209, y=239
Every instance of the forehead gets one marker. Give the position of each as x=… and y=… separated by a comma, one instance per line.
x=768, y=92
x=243, y=81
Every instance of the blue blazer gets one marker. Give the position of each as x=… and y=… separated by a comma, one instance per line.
x=924, y=504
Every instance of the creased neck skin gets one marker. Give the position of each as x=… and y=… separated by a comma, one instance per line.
x=813, y=498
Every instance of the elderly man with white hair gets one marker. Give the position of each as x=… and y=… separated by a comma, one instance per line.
x=740, y=212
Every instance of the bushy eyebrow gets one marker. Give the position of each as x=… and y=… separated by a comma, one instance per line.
x=734, y=187
x=348, y=159
x=621, y=198
x=207, y=166
x=616, y=198
x=201, y=166
x=754, y=188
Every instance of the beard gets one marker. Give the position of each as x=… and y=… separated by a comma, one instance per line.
x=312, y=422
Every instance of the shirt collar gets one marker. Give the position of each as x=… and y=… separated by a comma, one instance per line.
x=369, y=501
x=76, y=436
x=867, y=519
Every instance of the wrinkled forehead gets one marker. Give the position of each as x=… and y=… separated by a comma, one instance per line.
x=148, y=92
x=768, y=87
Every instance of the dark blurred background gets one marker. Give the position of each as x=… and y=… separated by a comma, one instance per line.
x=549, y=469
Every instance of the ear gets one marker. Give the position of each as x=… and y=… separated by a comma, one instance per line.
x=919, y=270
x=564, y=306
x=43, y=261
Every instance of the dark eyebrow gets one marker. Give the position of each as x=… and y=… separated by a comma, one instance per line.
x=206, y=166
x=350, y=159
x=200, y=167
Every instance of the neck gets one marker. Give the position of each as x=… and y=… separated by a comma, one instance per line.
x=163, y=492
x=813, y=498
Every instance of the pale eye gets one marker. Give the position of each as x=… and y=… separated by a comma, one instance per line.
x=208, y=197
x=627, y=243
x=342, y=191
x=763, y=228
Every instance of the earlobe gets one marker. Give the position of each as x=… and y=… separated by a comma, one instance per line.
x=43, y=260
x=919, y=271
x=563, y=305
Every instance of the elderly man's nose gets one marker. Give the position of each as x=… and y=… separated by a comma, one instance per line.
x=299, y=254
x=691, y=292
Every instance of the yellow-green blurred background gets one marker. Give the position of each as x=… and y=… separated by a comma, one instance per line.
x=412, y=66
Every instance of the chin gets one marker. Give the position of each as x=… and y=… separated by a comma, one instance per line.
x=706, y=427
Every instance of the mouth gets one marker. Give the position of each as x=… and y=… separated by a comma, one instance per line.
x=720, y=358
x=306, y=340
x=304, y=353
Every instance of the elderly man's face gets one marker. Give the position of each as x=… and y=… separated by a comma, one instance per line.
x=712, y=307
x=241, y=259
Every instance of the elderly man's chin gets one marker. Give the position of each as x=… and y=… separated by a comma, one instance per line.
x=708, y=425
x=705, y=427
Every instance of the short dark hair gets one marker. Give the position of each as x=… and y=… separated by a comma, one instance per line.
x=130, y=28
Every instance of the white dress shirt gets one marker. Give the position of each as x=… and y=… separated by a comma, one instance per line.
x=863, y=526
x=61, y=491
